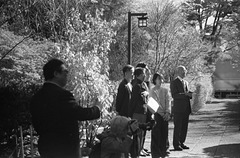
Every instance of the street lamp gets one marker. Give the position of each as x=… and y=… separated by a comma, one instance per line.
x=142, y=22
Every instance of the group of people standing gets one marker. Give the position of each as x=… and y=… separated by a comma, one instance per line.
x=55, y=114
x=132, y=101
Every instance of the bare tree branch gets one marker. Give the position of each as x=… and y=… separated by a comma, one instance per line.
x=15, y=47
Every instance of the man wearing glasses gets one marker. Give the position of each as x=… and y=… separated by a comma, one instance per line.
x=55, y=114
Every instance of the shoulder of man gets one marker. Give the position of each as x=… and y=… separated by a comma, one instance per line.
x=185, y=81
x=174, y=80
x=122, y=83
x=137, y=87
x=57, y=90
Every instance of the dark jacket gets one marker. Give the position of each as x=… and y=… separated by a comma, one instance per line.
x=114, y=147
x=138, y=102
x=180, y=101
x=55, y=116
x=123, y=98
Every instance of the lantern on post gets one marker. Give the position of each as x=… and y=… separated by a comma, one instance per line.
x=142, y=22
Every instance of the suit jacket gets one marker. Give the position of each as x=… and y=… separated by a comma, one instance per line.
x=123, y=98
x=55, y=115
x=162, y=96
x=138, y=103
x=181, y=102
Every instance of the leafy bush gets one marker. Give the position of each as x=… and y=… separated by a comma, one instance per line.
x=23, y=59
x=205, y=81
x=86, y=56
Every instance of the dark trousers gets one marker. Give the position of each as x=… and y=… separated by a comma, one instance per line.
x=138, y=139
x=136, y=146
x=148, y=119
x=159, y=137
x=180, y=128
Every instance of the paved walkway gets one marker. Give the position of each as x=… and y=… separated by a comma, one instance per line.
x=213, y=132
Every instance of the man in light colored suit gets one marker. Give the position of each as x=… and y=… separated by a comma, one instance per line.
x=181, y=108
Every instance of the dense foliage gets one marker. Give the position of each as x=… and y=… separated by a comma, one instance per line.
x=217, y=23
x=86, y=54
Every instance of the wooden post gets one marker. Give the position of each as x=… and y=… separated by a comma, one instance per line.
x=21, y=142
x=31, y=140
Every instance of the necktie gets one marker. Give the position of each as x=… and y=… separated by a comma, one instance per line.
x=130, y=86
x=184, y=88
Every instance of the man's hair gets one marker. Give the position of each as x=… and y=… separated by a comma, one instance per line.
x=138, y=71
x=180, y=68
x=155, y=76
x=127, y=68
x=142, y=65
x=50, y=67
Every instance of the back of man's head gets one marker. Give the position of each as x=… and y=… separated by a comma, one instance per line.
x=180, y=69
x=138, y=71
x=127, y=68
x=142, y=65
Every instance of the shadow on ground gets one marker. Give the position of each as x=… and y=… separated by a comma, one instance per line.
x=223, y=151
x=232, y=113
x=230, y=116
x=229, y=113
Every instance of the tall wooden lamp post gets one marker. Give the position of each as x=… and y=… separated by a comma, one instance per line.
x=142, y=22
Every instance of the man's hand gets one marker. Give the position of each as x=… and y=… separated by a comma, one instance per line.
x=167, y=117
x=145, y=93
x=189, y=94
x=133, y=125
x=98, y=104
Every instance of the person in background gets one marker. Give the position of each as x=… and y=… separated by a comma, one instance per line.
x=117, y=142
x=55, y=114
x=147, y=73
x=144, y=151
x=159, y=135
x=124, y=91
x=138, y=106
x=181, y=108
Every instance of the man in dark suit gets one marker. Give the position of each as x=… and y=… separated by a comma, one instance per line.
x=181, y=108
x=144, y=151
x=55, y=114
x=124, y=91
x=138, y=107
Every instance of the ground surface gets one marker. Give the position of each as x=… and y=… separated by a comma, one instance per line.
x=213, y=132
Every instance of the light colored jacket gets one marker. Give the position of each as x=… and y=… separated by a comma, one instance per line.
x=162, y=96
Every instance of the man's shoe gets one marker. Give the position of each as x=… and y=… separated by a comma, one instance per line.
x=143, y=153
x=146, y=150
x=184, y=146
x=168, y=152
x=178, y=148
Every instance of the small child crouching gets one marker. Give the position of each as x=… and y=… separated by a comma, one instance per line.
x=118, y=141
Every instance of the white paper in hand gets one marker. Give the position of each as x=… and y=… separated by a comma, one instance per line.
x=152, y=105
